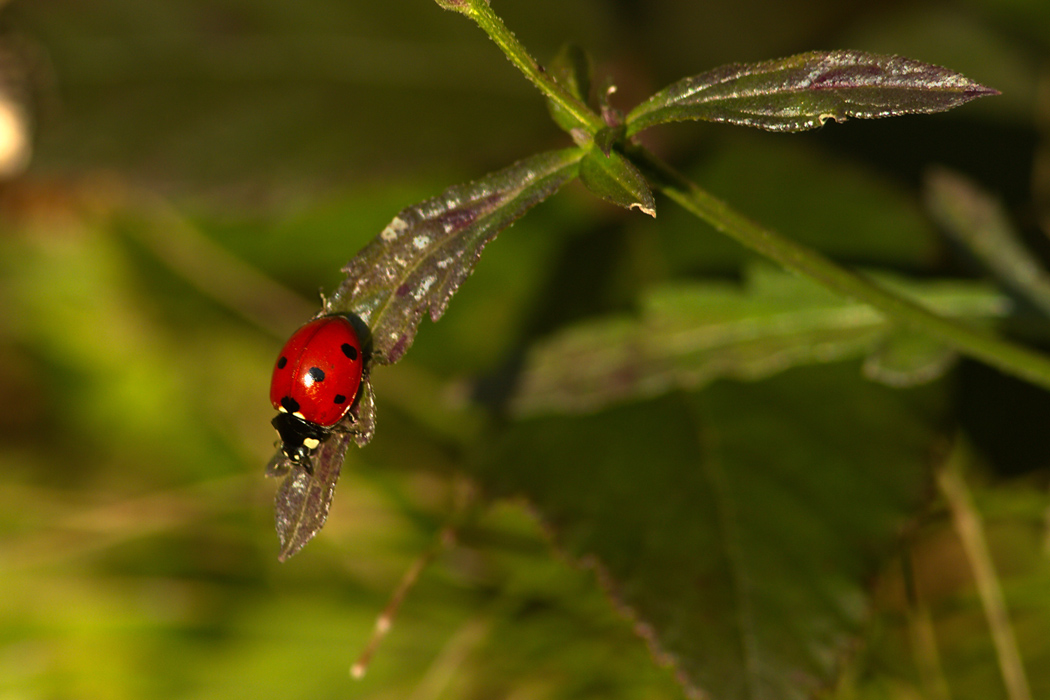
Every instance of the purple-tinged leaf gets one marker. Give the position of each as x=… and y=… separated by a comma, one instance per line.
x=413, y=266
x=421, y=258
x=304, y=498
x=614, y=179
x=804, y=91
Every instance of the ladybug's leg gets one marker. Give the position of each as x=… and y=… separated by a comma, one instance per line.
x=279, y=465
x=360, y=422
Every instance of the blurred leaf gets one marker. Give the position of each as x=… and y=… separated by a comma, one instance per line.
x=690, y=335
x=613, y=178
x=243, y=101
x=804, y=91
x=738, y=527
x=977, y=220
x=426, y=252
x=572, y=68
x=905, y=358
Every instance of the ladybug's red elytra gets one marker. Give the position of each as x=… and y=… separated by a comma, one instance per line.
x=315, y=381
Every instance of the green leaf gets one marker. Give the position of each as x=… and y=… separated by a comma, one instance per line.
x=691, y=334
x=737, y=528
x=614, y=179
x=804, y=91
x=572, y=69
x=905, y=358
x=977, y=220
x=419, y=260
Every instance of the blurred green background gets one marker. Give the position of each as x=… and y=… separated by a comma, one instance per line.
x=201, y=169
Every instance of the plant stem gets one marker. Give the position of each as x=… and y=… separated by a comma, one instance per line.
x=491, y=24
x=1008, y=357
x=971, y=532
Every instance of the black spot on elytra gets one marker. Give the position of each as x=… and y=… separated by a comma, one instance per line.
x=339, y=398
x=317, y=374
x=282, y=362
x=350, y=351
x=290, y=404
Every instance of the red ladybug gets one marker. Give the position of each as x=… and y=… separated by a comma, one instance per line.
x=315, y=382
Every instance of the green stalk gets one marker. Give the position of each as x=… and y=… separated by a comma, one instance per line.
x=489, y=21
x=1008, y=357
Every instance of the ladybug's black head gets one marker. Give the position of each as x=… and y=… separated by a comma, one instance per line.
x=299, y=438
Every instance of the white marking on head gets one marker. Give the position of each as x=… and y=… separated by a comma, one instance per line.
x=299, y=414
x=311, y=443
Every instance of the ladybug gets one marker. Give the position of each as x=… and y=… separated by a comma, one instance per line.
x=315, y=381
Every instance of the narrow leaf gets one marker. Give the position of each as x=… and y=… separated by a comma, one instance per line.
x=572, y=69
x=690, y=335
x=614, y=179
x=977, y=220
x=804, y=91
x=304, y=497
x=421, y=258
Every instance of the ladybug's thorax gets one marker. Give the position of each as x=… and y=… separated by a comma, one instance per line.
x=299, y=438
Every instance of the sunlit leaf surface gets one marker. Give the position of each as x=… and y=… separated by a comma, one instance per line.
x=804, y=91
x=420, y=259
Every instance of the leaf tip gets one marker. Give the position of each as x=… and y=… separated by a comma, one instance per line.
x=289, y=546
x=645, y=209
x=980, y=91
